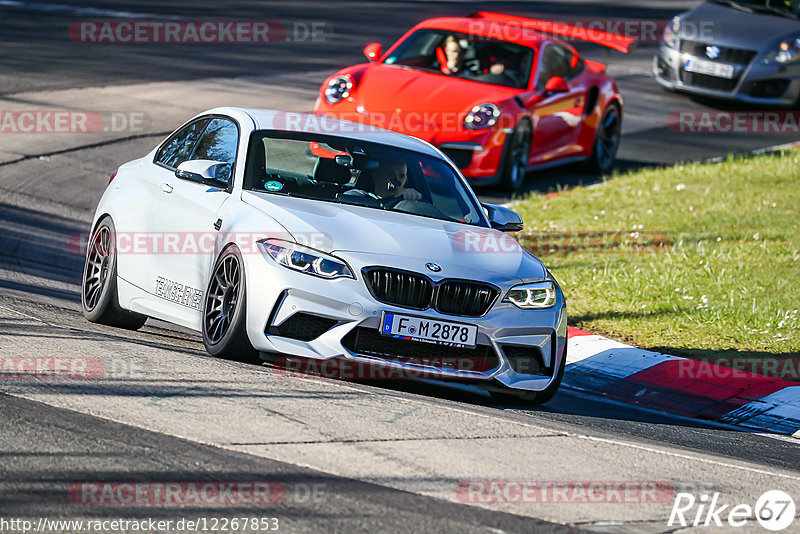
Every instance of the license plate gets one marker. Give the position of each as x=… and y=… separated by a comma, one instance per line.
x=428, y=330
x=701, y=66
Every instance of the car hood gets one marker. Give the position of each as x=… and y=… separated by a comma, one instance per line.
x=372, y=236
x=726, y=26
x=395, y=90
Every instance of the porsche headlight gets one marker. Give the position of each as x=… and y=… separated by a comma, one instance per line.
x=786, y=52
x=338, y=89
x=305, y=260
x=671, y=32
x=532, y=296
x=482, y=117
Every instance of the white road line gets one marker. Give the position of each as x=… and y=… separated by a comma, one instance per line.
x=495, y=417
x=82, y=11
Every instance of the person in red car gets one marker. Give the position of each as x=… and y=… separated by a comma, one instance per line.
x=454, y=54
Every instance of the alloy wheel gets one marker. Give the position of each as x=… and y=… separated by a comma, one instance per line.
x=222, y=299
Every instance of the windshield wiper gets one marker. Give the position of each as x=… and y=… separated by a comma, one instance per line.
x=765, y=9
x=735, y=5
x=783, y=12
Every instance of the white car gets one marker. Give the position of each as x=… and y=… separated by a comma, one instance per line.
x=278, y=233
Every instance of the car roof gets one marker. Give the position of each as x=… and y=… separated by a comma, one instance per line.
x=292, y=121
x=510, y=32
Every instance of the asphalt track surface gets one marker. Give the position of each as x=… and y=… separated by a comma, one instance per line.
x=388, y=455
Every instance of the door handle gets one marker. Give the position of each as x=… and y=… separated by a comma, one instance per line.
x=167, y=188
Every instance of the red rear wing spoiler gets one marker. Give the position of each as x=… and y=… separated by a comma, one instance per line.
x=610, y=40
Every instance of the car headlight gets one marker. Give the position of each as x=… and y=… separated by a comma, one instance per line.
x=482, y=117
x=671, y=32
x=338, y=89
x=786, y=52
x=305, y=260
x=532, y=296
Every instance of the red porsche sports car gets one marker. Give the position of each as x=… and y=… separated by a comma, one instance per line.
x=498, y=94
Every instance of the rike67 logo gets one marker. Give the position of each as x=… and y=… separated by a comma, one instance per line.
x=774, y=510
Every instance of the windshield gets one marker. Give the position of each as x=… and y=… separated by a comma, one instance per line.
x=787, y=8
x=461, y=55
x=346, y=171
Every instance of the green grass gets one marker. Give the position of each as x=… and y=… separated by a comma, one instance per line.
x=726, y=282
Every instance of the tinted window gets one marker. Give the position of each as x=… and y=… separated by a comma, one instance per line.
x=218, y=143
x=557, y=61
x=476, y=58
x=177, y=149
x=346, y=171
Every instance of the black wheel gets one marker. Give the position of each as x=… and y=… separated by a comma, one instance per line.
x=225, y=310
x=515, y=159
x=606, y=141
x=99, y=298
x=530, y=398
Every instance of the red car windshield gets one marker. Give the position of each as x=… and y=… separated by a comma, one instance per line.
x=471, y=57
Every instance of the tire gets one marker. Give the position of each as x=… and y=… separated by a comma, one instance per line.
x=530, y=398
x=225, y=309
x=515, y=157
x=99, y=297
x=606, y=140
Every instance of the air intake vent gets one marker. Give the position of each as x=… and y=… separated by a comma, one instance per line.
x=303, y=327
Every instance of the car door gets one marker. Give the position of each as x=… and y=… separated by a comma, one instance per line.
x=134, y=223
x=557, y=116
x=187, y=222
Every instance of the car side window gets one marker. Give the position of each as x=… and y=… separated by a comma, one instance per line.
x=218, y=143
x=554, y=61
x=178, y=148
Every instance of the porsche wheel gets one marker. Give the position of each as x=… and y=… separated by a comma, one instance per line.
x=606, y=141
x=515, y=161
x=99, y=298
x=224, y=312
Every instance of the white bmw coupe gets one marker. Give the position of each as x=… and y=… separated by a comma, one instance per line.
x=282, y=233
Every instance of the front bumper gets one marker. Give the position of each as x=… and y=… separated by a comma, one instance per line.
x=339, y=308
x=754, y=82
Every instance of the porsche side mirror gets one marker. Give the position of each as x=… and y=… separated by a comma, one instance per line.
x=200, y=170
x=373, y=51
x=503, y=219
x=556, y=84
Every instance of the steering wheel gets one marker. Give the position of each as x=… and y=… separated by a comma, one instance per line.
x=392, y=202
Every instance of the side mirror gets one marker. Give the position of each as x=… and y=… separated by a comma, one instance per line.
x=503, y=219
x=201, y=170
x=373, y=51
x=556, y=84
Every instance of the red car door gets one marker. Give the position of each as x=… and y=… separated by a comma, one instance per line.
x=557, y=108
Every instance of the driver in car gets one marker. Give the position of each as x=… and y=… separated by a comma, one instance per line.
x=384, y=184
x=455, y=53
x=389, y=181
